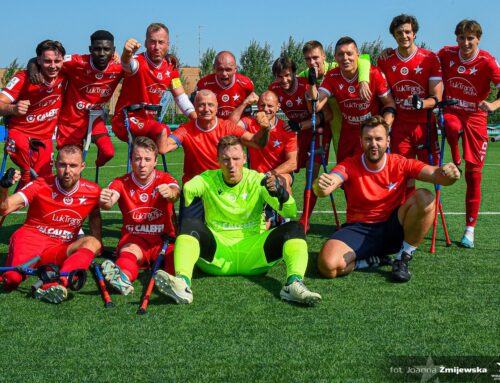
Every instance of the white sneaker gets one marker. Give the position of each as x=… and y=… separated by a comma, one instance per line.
x=298, y=292
x=116, y=278
x=54, y=294
x=173, y=287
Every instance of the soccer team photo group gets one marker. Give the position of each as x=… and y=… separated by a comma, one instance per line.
x=336, y=167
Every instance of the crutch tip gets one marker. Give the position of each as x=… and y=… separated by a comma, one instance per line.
x=109, y=305
x=141, y=312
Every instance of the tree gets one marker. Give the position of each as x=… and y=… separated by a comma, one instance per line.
x=330, y=53
x=256, y=62
x=293, y=50
x=207, y=62
x=11, y=71
x=373, y=48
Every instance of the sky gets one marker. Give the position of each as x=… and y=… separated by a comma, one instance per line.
x=230, y=25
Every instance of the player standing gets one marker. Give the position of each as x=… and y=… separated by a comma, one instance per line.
x=467, y=73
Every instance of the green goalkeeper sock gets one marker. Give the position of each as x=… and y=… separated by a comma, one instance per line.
x=295, y=256
x=186, y=253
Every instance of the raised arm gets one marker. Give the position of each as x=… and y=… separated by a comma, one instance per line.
x=445, y=175
x=9, y=204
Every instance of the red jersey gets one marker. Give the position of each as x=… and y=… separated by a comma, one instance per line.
x=229, y=97
x=147, y=85
x=346, y=92
x=56, y=212
x=274, y=154
x=45, y=104
x=408, y=76
x=200, y=146
x=145, y=211
x=468, y=81
x=88, y=88
x=293, y=104
x=372, y=195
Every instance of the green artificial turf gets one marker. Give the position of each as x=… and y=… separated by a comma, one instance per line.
x=238, y=330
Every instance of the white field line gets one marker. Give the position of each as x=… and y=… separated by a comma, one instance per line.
x=315, y=212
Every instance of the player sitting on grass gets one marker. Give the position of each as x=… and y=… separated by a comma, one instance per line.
x=57, y=208
x=233, y=241
x=378, y=222
x=146, y=199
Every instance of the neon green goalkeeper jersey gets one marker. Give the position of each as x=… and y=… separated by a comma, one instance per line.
x=235, y=210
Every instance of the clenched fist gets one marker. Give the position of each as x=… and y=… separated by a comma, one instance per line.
x=450, y=171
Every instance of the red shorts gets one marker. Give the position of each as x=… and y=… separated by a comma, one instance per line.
x=139, y=126
x=304, y=146
x=27, y=243
x=67, y=135
x=406, y=137
x=20, y=153
x=349, y=143
x=475, y=135
x=150, y=247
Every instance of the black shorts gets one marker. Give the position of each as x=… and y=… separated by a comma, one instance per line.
x=368, y=239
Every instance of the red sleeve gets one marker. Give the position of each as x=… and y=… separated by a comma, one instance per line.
x=180, y=133
x=71, y=62
x=169, y=180
x=250, y=124
x=380, y=82
x=291, y=142
x=175, y=73
x=30, y=190
x=343, y=169
x=15, y=85
x=117, y=185
x=232, y=129
x=412, y=166
x=435, y=66
x=495, y=71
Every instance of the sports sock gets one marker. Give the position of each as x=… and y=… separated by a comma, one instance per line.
x=472, y=196
x=186, y=254
x=452, y=136
x=127, y=262
x=407, y=248
x=80, y=259
x=292, y=278
x=469, y=233
x=295, y=255
x=11, y=279
x=106, y=150
x=361, y=264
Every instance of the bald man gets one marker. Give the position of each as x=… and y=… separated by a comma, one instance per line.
x=199, y=140
x=234, y=91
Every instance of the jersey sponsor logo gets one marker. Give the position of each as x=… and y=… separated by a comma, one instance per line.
x=68, y=200
x=144, y=197
x=300, y=115
x=225, y=98
x=146, y=214
x=410, y=87
x=156, y=88
x=82, y=105
x=145, y=229
x=67, y=58
x=47, y=116
x=102, y=90
x=356, y=119
x=67, y=219
x=13, y=81
x=404, y=71
x=351, y=89
x=463, y=85
x=53, y=232
x=47, y=102
x=353, y=104
x=461, y=69
x=224, y=113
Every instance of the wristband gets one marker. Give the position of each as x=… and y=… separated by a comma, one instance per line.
x=389, y=109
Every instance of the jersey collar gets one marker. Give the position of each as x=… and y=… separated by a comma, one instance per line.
x=464, y=61
x=67, y=192
x=226, y=87
x=405, y=59
x=147, y=184
x=151, y=61
x=370, y=170
x=209, y=129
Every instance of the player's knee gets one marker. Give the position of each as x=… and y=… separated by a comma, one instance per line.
x=91, y=243
x=424, y=199
x=329, y=265
x=11, y=279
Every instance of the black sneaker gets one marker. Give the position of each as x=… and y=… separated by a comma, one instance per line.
x=376, y=261
x=400, y=272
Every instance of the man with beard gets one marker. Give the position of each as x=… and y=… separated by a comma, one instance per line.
x=378, y=222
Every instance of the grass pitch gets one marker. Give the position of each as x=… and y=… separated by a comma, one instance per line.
x=238, y=330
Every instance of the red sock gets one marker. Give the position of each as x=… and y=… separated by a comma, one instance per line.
x=11, y=279
x=472, y=196
x=80, y=259
x=127, y=262
x=106, y=150
x=168, y=264
x=453, y=127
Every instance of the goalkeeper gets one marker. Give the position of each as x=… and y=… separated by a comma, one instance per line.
x=234, y=241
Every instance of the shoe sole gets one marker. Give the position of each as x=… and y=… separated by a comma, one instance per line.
x=400, y=279
x=51, y=295
x=165, y=287
x=309, y=301
x=112, y=276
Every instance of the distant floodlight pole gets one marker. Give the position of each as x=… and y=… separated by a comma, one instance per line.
x=199, y=42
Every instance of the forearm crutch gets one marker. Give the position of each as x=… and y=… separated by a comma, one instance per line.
x=93, y=115
x=310, y=169
x=102, y=286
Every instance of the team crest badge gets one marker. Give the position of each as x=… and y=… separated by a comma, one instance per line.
x=98, y=76
x=289, y=103
x=404, y=71
x=225, y=98
x=461, y=69
x=144, y=197
x=351, y=89
x=68, y=200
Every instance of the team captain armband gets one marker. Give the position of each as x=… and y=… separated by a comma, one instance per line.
x=338, y=174
x=176, y=83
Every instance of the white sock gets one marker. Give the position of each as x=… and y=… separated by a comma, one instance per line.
x=407, y=248
x=469, y=233
x=361, y=264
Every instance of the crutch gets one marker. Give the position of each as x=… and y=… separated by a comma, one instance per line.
x=93, y=115
x=310, y=169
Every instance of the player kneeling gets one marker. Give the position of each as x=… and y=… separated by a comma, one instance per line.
x=146, y=199
x=378, y=222
x=57, y=208
x=233, y=241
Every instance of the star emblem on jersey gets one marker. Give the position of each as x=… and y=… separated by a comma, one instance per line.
x=418, y=69
x=392, y=186
x=298, y=101
x=82, y=200
x=167, y=73
x=236, y=97
x=473, y=70
x=276, y=143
